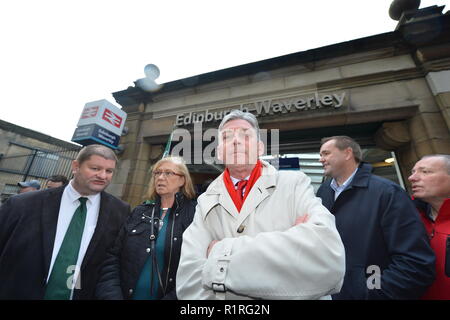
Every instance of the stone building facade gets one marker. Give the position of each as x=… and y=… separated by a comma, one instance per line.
x=29, y=155
x=389, y=91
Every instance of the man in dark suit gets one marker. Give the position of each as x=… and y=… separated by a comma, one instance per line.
x=39, y=258
x=387, y=253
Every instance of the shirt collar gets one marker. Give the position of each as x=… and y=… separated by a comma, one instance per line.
x=234, y=180
x=335, y=186
x=74, y=195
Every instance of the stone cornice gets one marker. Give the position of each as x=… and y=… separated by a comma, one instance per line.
x=10, y=127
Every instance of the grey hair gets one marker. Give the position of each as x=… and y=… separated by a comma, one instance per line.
x=444, y=157
x=238, y=114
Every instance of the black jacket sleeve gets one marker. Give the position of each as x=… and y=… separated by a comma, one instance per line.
x=8, y=219
x=109, y=284
x=172, y=295
x=188, y=216
x=412, y=269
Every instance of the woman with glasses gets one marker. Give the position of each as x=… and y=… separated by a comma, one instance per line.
x=143, y=262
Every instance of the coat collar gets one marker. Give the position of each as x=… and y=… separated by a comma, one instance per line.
x=362, y=176
x=360, y=180
x=217, y=194
x=180, y=198
x=102, y=223
x=425, y=209
x=51, y=201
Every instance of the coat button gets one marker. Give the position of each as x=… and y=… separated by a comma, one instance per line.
x=222, y=269
x=175, y=239
x=130, y=291
x=170, y=280
x=133, y=231
x=177, y=214
x=148, y=250
x=241, y=228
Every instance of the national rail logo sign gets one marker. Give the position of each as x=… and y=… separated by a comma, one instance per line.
x=89, y=112
x=104, y=114
x=100, y=122
x=112, y=118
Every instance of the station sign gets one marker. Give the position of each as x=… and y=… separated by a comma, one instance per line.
x=93, y=133
x=100, y=122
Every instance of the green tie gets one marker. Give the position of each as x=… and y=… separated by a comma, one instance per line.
x=59, y=287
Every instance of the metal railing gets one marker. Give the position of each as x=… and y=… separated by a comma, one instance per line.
x=24, y=163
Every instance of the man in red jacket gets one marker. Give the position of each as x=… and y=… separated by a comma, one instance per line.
x=430, y=180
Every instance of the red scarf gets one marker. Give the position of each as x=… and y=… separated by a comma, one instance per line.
x=254, y=176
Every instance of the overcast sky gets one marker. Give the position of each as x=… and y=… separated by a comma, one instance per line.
x=57, y=55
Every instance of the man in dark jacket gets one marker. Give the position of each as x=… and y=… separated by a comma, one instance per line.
x=387, y=251
x=52, y=242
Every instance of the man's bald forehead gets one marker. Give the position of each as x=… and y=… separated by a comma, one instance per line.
x=442, y=159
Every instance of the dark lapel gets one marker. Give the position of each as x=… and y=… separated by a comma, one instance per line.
x=362, y=176
x=102, y=222
x=360, y=180
x=327, y=194
x=51, y=202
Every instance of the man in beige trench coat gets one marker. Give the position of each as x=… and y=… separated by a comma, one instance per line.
x=258, y=232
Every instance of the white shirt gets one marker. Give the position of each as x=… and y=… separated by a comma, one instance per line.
x=235, y=181
x=338, y=189
x=69, y=204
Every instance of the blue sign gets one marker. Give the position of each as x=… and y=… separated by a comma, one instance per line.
x=285, y=163
x=93, y=133
x=289, y=164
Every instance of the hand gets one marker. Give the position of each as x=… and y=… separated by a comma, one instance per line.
x=211, y=245
x=304, y=218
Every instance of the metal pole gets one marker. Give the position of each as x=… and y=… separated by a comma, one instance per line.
x=31, y=163
x=397, y=169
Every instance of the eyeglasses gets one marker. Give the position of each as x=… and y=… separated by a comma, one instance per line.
x=166, y=174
